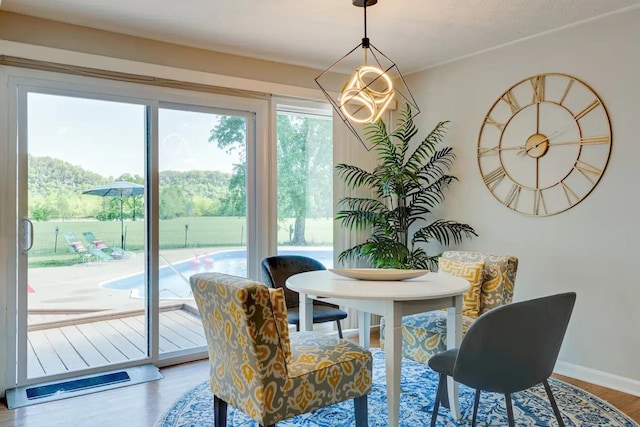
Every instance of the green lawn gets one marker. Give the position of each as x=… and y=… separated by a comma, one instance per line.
x=50, y=249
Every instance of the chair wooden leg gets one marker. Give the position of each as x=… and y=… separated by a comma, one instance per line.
x=507, y=398
x=442, y=388
x=556, y=411
x=339, y=328
x=362, y=412
x=219, y=412
x=476, y=403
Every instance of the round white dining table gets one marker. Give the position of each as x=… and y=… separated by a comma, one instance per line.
x=393, y=300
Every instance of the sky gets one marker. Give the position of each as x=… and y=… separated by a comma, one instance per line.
x=108, y=137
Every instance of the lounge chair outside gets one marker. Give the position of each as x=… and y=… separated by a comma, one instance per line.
x=99, y=245
x=85, y=255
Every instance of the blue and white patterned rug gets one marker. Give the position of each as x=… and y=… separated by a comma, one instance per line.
x=418, y=385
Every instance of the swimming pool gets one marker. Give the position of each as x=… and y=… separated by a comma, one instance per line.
x=174, y=279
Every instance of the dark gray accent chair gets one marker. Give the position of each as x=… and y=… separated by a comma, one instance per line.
x=508, y=349
x=275, y=272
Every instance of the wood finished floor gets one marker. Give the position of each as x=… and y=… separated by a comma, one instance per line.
x=72, y=344
x=140, y=405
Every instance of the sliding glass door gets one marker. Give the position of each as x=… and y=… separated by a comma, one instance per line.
x=124, y=192
x=82, y=168
x=202, y=211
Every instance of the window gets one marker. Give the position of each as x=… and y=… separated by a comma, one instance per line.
x=305, y=180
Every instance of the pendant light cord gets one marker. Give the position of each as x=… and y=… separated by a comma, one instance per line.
x=365, y=19
x=365, y=40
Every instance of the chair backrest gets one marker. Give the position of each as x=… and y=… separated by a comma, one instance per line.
x=277, y=269
x=499, y=276
x=70, y=237
x=247, y=360
x=514, y=347
x=75, y=245
x=90, y=237
x=93, y=240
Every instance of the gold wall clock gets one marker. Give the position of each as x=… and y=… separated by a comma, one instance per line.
x=544, y=144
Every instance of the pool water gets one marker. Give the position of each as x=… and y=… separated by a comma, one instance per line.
x=174, y=279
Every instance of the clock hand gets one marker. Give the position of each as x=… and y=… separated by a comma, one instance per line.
x=518, y=147
x=496, y=149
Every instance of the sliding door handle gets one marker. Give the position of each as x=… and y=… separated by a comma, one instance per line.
x=27, y=242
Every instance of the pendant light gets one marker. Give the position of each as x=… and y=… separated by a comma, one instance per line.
x=373, y=88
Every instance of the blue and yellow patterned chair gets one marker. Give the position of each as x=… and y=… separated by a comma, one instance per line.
x=259, y=369
x=494, y=276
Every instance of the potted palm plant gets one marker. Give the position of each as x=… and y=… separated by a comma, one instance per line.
x=407, y=186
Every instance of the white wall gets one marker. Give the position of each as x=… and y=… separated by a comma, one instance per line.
x=591, y=248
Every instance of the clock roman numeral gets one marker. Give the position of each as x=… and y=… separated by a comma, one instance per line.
x=537, y=84
x=490, y=121
x=572, y=197
x=566, y=91
x=513, y=196
x=493, y=178
x=587, y=170
x=511, y=102
x=588, y=109
x=538, y=202
x=595, y=140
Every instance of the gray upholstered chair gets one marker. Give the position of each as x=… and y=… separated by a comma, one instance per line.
x=275, y=272
x=257, y=367
x=425, y=334
x=508, y=349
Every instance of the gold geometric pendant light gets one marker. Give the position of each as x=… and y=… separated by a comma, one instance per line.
x=375, y=86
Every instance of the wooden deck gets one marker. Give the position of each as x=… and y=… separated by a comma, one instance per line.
x=59, y=343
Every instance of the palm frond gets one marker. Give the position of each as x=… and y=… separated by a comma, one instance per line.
x=362, y=204
x=359, y=220
x=443, y=232
x=355, y=177
x=352, y=254
x=384, y=252
x=427, y=147
x=426, y=199
x=419, y=260
x=406, y=131
x=377, y=134
x=438, y=164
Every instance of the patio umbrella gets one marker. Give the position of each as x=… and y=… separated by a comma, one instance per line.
x=118, y=188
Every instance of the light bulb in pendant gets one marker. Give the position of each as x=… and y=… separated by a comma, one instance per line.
x=366, y=95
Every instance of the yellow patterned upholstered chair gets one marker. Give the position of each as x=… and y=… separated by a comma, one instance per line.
x=425, y=334
x=257, y=367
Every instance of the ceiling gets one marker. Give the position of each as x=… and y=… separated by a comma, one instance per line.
x=415, y=34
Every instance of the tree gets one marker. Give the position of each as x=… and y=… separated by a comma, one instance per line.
x=304, y=170
x=230, y=135
x=408, y=186
x=304, y=151
x=41, y=211
x=133, y=206
x=173, y=203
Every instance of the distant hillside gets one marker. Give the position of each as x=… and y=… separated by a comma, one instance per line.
x=49, y=176
x=207, y=184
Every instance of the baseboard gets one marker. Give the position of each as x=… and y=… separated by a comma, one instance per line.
x=604, y=379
